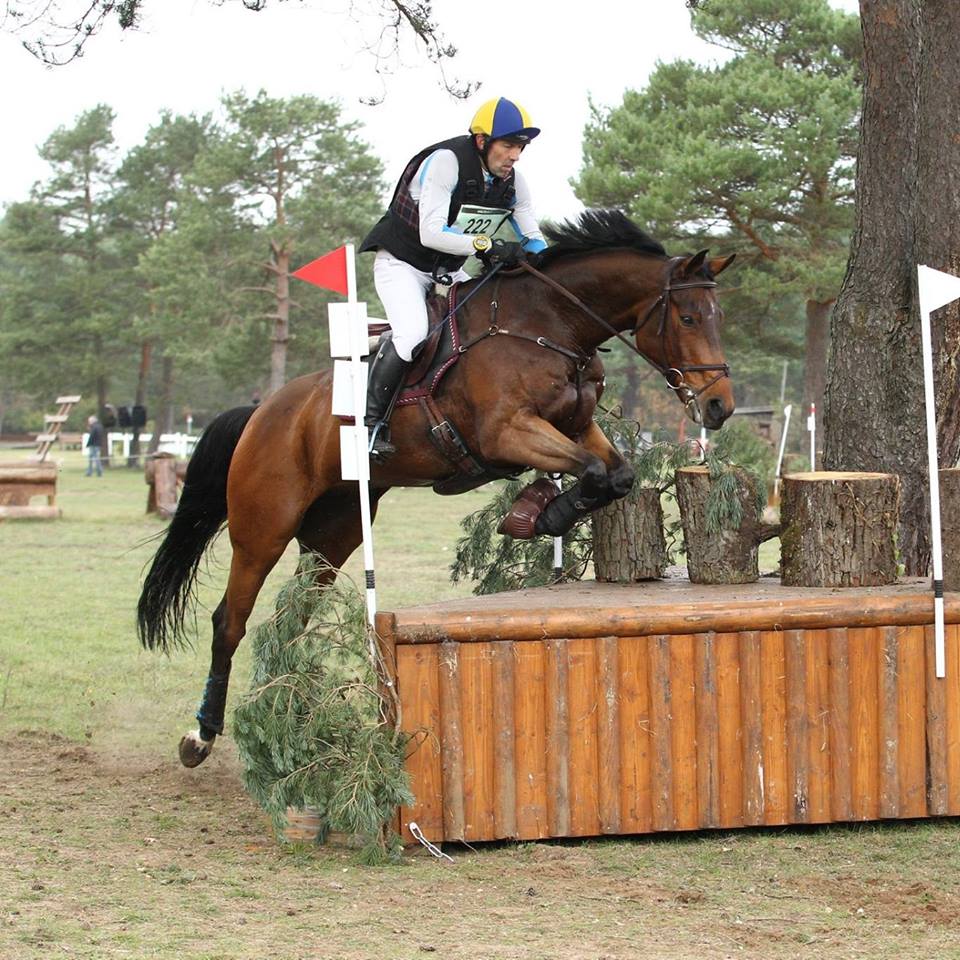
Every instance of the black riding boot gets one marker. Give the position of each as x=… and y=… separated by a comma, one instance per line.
x=385, y=381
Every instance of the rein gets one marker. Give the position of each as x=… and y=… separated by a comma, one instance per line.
x=674, y=375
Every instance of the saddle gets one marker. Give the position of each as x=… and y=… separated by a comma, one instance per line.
x=432, y=359
x=437, y=353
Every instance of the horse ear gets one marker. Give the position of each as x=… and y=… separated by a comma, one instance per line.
x=692, y=264
x=717, y=265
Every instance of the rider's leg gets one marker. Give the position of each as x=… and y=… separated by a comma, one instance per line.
x=402, y=290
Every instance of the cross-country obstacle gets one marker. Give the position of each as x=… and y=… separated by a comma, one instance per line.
x=23, y=480
x=164, y=475
x=587, y=709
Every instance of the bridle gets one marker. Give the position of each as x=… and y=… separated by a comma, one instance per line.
x=673, y=374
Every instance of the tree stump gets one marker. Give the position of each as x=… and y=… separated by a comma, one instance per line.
x=839, y=529
x=721, y=549
x=628, y=541
x=950, y=527
x=163, y=475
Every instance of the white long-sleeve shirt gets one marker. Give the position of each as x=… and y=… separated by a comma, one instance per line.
x=432, y=188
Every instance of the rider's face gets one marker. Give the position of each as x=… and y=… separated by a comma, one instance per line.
x=502, y=155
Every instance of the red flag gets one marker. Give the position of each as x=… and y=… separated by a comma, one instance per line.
x=328, y=271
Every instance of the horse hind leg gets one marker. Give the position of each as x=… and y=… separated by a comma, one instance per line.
x=229, y=626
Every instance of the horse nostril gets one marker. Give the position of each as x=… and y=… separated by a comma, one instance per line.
x=715, y=409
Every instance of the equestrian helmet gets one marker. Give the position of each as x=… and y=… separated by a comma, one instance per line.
x=503, y=119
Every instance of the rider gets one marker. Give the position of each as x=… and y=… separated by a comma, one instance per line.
x=451, y=197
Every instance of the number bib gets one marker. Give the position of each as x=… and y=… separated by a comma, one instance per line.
x=473, y=220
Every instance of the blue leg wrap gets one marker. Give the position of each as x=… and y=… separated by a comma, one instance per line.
x=213, y=705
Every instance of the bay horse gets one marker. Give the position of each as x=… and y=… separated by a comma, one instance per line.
x=521, y=395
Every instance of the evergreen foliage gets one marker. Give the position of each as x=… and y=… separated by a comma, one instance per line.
x=311, y=730
x=736, y=452
x=755, y=155
x=497, y=563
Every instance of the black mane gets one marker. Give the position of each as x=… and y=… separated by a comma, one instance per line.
x=597, y=230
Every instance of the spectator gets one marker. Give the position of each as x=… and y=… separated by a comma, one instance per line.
x=96, y=441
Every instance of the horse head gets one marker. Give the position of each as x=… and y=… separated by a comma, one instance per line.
x=680, y=334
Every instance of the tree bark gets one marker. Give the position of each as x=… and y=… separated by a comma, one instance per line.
x=727, y=555
x=839, y=529
x=281, y=321
x=908, y=191
x=628, y=541
x=950, y=527
x=817, y=341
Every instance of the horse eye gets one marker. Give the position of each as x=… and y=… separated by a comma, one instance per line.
x=687, y=320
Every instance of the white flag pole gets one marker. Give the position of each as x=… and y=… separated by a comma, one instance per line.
x=358, y=347
x=558, y=544
x=812, y=427
x=936, y=290
x=787, y=410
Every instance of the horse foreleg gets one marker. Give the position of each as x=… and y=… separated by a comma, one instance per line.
x=620, y=474
x=229, y=626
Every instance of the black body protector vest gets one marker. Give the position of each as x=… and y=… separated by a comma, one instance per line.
x=398, y=230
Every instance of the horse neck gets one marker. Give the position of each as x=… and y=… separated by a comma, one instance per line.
x=615, y=285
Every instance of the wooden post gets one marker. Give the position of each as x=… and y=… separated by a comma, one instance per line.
x=950, y=527
x=628, y=541
x=727, y=555
x=163, y=475
x=838, y=529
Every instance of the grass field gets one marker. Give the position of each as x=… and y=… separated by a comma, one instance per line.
x=110, y=849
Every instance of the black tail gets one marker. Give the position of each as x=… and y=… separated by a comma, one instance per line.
x=168, y=588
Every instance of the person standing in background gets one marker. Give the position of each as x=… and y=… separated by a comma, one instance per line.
x=96, y=441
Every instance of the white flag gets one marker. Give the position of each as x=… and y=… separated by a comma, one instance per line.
x=937, y=288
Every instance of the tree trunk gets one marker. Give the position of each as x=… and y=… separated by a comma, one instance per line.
x=815, y=360
x=628, y=541
x=281, y=321
x=950, y=527
x=839, y=529
x=908, y=191
x=163, y=418
x=724, y=552
x=146, y=349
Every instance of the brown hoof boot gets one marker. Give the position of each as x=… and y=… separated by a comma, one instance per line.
x=194, y=749
x=521, y=521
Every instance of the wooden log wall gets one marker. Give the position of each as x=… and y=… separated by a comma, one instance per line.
x=530, y=739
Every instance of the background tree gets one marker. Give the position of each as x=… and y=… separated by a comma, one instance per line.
x=152, y=190
x=755, y=155
x=301, y=181
x=68, y=290
x=908, y=193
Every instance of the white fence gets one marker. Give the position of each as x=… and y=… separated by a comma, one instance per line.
x=180, y=444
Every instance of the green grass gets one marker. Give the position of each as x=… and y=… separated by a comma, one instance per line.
x=70, y=662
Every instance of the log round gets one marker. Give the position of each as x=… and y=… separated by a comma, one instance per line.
x=839, y=529
x=950, y=527
x=628, y=541
x=730, y=554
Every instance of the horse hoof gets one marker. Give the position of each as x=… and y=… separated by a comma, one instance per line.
x=194, y=749
x=520, y=522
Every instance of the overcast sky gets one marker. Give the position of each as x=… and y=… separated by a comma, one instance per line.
x=551, y=56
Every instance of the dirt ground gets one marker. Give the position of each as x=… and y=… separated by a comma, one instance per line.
x=105, y=856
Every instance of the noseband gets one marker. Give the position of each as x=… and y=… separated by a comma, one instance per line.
x=674, y=375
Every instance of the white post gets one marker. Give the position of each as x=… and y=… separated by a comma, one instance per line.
x=557, y=545
x=812, y=427
x=937, y=289
x=787, y=410
x=358, y=347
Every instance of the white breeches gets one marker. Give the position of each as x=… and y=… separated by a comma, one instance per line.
x=402, y=290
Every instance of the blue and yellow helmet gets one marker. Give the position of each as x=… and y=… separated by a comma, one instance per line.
x=502, y=118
